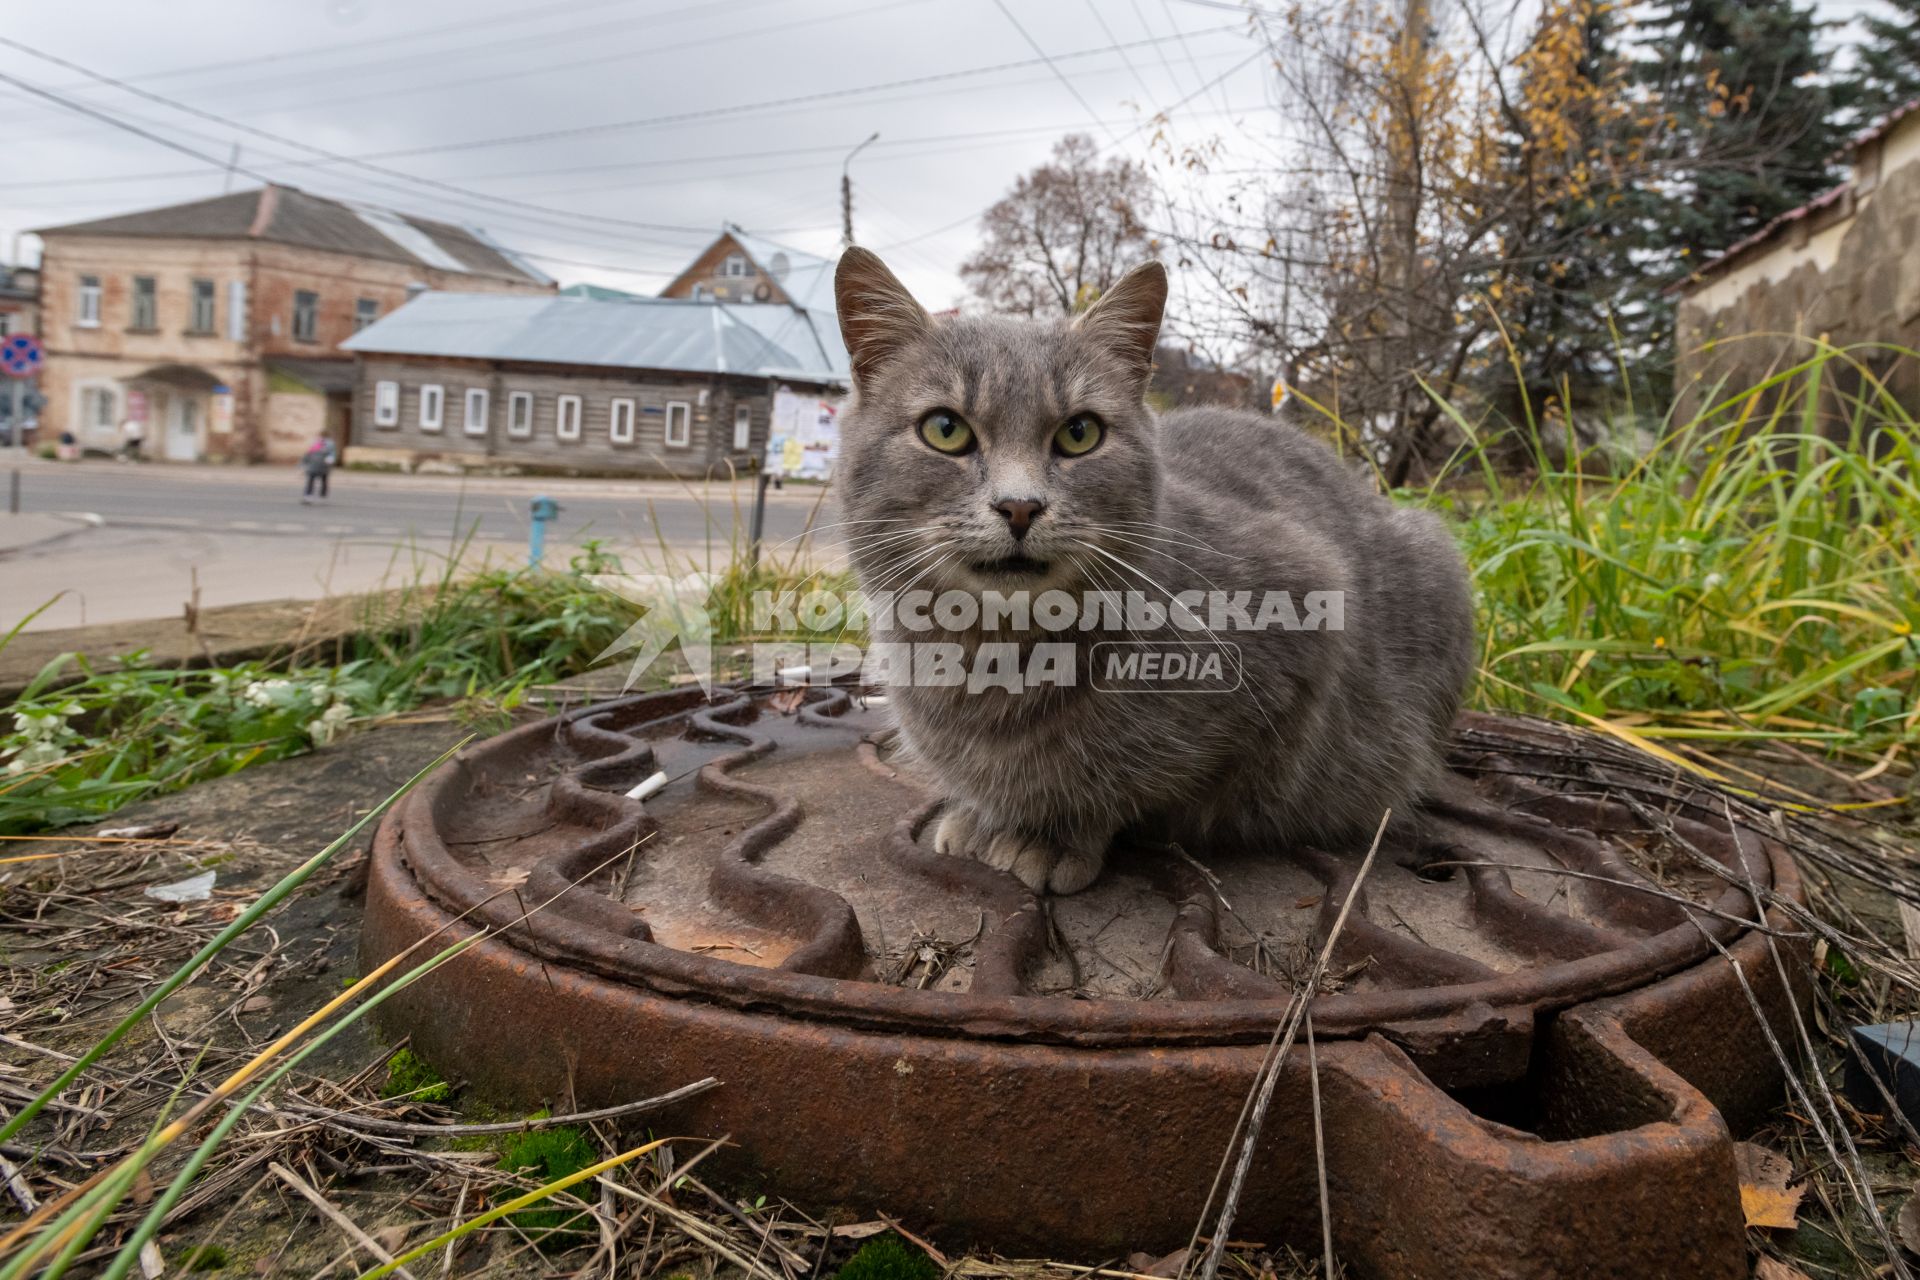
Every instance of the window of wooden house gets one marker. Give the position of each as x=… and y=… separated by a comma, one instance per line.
x=365, y=312
x=386, y=404
x=742, y=428
x=566, y=422
x=476, y=422
x=735, y=265
x=433, y=404
x=520, y=414
x=679, y=424
x=620, y=426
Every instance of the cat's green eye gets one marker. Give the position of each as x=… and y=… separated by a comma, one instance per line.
x=1080, y=434
x=947, y=431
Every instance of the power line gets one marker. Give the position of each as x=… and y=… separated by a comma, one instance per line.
x=329, y=156
x=768, y=104
x=1052, y=66
x=184, y=149
x=1146, y=91
x=616, y=166
x=1137, y=131
x=464, y=25
x=570, y=64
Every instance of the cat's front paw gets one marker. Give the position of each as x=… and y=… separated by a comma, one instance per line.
x=1041, y=865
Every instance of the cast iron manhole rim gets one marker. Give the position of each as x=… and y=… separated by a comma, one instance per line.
x=584, y=930
x=1575, y=1118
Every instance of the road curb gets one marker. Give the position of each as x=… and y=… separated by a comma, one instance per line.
x=58, y=525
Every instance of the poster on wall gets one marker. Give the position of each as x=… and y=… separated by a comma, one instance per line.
x=137, y=406
x=221, y=419
x=804, y=435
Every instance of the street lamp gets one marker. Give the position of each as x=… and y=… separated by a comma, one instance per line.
x=846, y=190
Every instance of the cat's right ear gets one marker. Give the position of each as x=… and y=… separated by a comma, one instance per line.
x=878, y=317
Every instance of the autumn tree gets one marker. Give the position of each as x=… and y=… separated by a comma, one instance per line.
x=1065, y=233
x=1438, y=177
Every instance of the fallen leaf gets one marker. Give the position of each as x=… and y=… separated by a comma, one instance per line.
x=1907, y=1225
x=256, y=1004
x=859, y=1230
x=788, y=701
x=1170, y=1266
x=509, y=877
x=1765, y=1198
x=1774, y=1269
x=391, y=1238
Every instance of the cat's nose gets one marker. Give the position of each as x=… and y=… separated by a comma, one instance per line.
x=1019, y=513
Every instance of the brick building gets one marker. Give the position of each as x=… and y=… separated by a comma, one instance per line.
x=219, y=322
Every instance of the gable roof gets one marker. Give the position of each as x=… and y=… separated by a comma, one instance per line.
x=287, y=215
x=669, y=334
x=807, y=321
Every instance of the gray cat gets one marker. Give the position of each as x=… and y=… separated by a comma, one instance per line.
x=992, y=455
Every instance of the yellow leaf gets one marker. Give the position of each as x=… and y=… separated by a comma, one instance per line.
x=1765, y=1198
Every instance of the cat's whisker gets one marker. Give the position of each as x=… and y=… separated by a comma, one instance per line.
x=1175, y=535
x=1252, y=692
x=900, y=564
x=813, y=530
x=1137, y=571
x=1129, y=540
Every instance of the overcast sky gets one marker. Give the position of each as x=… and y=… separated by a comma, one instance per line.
x=641, y=125
x=612, y=138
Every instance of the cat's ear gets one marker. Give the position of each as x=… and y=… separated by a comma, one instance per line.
x=878, y=317
x=1126, y=319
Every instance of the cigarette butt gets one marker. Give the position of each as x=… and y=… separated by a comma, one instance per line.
x=647, y=788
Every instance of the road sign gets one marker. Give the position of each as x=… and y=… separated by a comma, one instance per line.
x=21, y=356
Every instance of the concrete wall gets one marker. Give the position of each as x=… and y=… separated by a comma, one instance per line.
x=262, y=277
x=1849, y=273
x=712, y=402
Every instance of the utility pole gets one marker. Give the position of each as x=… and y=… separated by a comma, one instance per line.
x=846, y=191
x=1402, y=255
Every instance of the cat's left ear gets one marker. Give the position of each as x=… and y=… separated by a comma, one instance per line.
x=1126, y=319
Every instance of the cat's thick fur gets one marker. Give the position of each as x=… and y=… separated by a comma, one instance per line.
x=1331, y=728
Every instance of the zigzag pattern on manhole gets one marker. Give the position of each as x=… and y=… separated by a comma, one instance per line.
x=1530, y=1049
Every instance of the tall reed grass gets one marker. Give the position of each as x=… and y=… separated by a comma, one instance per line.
x=1752, y=575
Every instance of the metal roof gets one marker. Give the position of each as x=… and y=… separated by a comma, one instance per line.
x=682, y=336
x=287, y=215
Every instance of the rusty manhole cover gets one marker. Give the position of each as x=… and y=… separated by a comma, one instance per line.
x=1524, y=1072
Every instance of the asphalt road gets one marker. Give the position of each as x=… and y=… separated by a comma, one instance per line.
x=385, y=506
x=158, y=533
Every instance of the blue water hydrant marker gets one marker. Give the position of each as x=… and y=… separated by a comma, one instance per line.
x=544, y=510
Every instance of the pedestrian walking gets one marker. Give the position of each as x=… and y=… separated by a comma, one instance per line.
x=133, y=434
x=317, y=462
